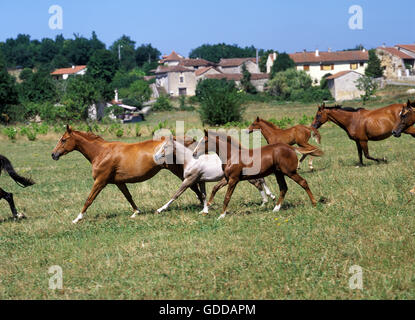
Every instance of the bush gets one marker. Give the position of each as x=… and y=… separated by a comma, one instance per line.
x=220, y=101
x=162, y=104
x=10, y=133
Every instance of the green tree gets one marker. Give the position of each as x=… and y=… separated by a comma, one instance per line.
x=374, y=68
x=79, y=96
x=138, y=93
x=282, y=63
x=246, y=84
x=102, y=65
x=368, y=86
x=124, y=47
x=38, y=87
x=8, y=91
x=220, y=102
x=215, y=52
x=146, y=54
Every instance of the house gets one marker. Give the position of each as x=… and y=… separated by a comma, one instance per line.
x=173, y=59
x=203, y=72
x=318, y=64
x=234, y=65
x=176, y=80
x=64, y=73
x=258, y=80
x=342, y=85
x=397, y=61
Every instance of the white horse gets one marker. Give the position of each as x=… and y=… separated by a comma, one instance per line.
x=206, y=168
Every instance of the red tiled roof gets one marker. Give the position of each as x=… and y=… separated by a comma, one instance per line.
x=234, y=62
x=339, y=74
x=73, y=70
x=396, y=52
x=237, y=76
x=409, y=47
x=165, y=69
x=201, y=71
x=195, y=62
x=173, y=56
x=337, y=56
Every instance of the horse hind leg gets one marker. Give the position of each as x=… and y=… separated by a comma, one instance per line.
x=215, y=189
x=259, y=184
x=202, y=186
x=283, y=189
x=365, y=148
x=303, y=183
x=9, y=198
x=123, y=188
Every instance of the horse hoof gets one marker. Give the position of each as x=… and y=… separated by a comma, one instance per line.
x=203, y=212
x=277, y=208
x=20, y=216
x=412, y=192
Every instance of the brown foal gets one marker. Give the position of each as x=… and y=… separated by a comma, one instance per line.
x=362, y=125
x=279, y=159
x=116, y=163
x=298, y=134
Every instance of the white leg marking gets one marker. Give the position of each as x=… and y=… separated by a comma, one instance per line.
x=264, y=198
x=222, y=216
x=268, y=192
x=205, y=208
x=277, y=208
x=78, y=218
x=136, y=212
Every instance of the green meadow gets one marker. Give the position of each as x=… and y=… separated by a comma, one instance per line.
x=300, y=252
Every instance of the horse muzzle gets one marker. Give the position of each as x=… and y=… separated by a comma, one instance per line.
x=396, y=134
x=55, y=156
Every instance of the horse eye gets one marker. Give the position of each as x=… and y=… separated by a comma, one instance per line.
x=63, y=140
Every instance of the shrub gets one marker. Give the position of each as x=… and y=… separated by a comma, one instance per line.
x=220, y=101
x=162, y=104
x=119, y=133
x=183, y=106
x=10, y=133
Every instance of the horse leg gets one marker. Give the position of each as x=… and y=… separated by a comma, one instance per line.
x=267, y=190
x=360, y=152
x=185, y=184
x=123, y=188
x=202, y=186
x=365, y=149
x=303, y=183
x=411, y=131
x=283, y=189
x=257, y=183
x=196, y=190
x=231, y=187
x=9, y=198
x=412, y=191
x=215, y=189
x=310, y=163
x=96, y=189
x=301, y=160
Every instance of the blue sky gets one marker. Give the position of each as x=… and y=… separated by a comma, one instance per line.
x=185, y=24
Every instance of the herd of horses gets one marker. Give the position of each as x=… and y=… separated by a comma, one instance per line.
x=198, y=162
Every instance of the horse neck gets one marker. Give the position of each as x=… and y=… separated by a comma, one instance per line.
x=183, y=155
x=268, y=130
x=341, y=118
x=230, y=150
x=90, y=149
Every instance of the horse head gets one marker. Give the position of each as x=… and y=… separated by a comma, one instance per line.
x=406, y=118
x=256, y=125
x=321, y=117
x=65, y=145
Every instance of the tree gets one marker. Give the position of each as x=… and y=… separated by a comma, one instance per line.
x=146, y=54
x=102, y=65
x=79, y=96
x=282, y=63
x=374, y=68
x=8, y=92
x=138, y=93
x=218, y=51
x=124, y=47
x=368, y=86
x=220, y=102
x=246, y=84
x=38, y=87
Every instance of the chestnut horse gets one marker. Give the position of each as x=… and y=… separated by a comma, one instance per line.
x=279, y=159
x=298, y=134
x=6, y=165
x=362, y=125
x=116, y=163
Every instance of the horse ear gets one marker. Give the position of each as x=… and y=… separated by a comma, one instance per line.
x=257, y=118
x=68, y=128
x=206, y=133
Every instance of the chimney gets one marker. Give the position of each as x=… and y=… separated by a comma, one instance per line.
x=329, y=50
x=275, y=56
x=73, y=67
x=116, y=95
x=317, y=53
x=257, y=57
x=363, y=50
x=383, y=45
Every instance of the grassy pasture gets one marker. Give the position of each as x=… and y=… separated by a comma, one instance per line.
x=299, y=253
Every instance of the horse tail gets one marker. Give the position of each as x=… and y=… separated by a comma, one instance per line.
x=7, y=166
x=311, y=150
x=316, y=135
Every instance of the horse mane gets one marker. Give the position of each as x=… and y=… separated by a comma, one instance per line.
x=339, y=107
x=89, y=135
x=270, y=124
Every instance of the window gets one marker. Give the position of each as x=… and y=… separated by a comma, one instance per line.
x=362, y=64
x=353, y=66
x=182, y=92
x=327, y=67
x=306, y=67
x=181, y=79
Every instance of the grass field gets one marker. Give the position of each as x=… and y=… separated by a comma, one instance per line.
x=299, y=253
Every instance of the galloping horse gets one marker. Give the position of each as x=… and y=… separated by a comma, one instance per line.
x=206, y=168
x=6, y=165
x=279, y=159
x=115, y=163
x=362, y=125
x=298, y=134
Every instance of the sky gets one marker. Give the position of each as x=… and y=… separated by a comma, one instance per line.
x=183, y=25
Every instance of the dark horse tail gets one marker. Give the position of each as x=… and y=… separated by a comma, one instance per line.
x=315, y=133
x=7, y=166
